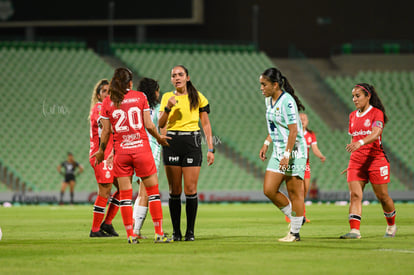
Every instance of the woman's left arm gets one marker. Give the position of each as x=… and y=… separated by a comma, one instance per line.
x=205, y=123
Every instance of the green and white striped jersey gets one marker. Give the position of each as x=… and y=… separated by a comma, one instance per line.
x=279, y=115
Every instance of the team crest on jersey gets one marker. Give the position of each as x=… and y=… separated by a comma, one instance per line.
x=367, y=123
x=309, y=139
x=277, y=111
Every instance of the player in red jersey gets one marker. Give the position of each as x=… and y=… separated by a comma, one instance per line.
x=311, y=143
x=368, y=161
x=310, y=138
x=129, y=114
x=103, y=171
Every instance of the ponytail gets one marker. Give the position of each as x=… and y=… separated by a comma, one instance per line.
x=119, y=85
x=274, y=75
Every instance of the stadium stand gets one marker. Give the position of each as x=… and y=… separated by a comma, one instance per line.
x=46, y=91
x=230, y=80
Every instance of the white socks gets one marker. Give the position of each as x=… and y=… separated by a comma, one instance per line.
x=295, y=224
x=139, y=215
x=287, y=210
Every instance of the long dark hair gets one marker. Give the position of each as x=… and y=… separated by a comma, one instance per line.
x=149, y=86
x=119, y=85
x=274, y=75
x=374, y=100
x=192, y=91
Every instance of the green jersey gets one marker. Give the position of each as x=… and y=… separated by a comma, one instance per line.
x=279, y=115
x=155, y=146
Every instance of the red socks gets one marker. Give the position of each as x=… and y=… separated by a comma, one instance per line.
x=354, y=221
x=98, y=212
x=154, y=205
x=113, y=208
x=125, y=197
x=390, y=217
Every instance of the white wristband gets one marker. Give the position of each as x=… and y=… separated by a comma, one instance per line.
x=266, y=142
x=286, y=154
x=361, y=141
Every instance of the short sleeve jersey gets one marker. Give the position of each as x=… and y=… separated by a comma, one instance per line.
x=127, y=122
x=69, y=167
x=310, y=138
x=181, y=118
x=360, y=126
x=279, y=115
x=95, y=132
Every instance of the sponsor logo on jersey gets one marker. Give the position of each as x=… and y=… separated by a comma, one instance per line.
x=131, y=144
x=290, y=105
x=130, y=100
x=361, y=133
x=190, y=160
x=173, y=159
x=131, y=137
x=384, y=171
x=367, y=123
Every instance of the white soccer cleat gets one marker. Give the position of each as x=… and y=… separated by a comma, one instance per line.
x=353, y=234
x=290, y=237
x=390, y=232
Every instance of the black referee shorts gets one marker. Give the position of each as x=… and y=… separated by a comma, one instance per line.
x=184, y=149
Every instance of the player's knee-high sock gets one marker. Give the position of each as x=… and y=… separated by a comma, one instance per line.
x=390, y=217
x=354, y=221
x=61, y=197
x=139, y=215
x=287, y=210
x=126, y=210
x=174, y=204
x=113, y=208
x=154, y=205
x=71, y=197
x=191, y=206
x=296, y=224
x=98, y=212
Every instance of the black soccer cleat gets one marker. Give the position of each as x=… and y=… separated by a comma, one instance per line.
x=177, y=237
x=98, y=234
x=189, y=236
x=109, y=229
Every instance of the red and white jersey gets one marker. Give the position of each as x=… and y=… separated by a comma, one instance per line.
x=360, y=126
x=95, y=132
x=310, y=138
x=128, y=122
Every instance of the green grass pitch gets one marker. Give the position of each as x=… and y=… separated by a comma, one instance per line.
x=230, y=239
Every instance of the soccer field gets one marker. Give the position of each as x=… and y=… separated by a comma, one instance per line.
x=230, y=239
